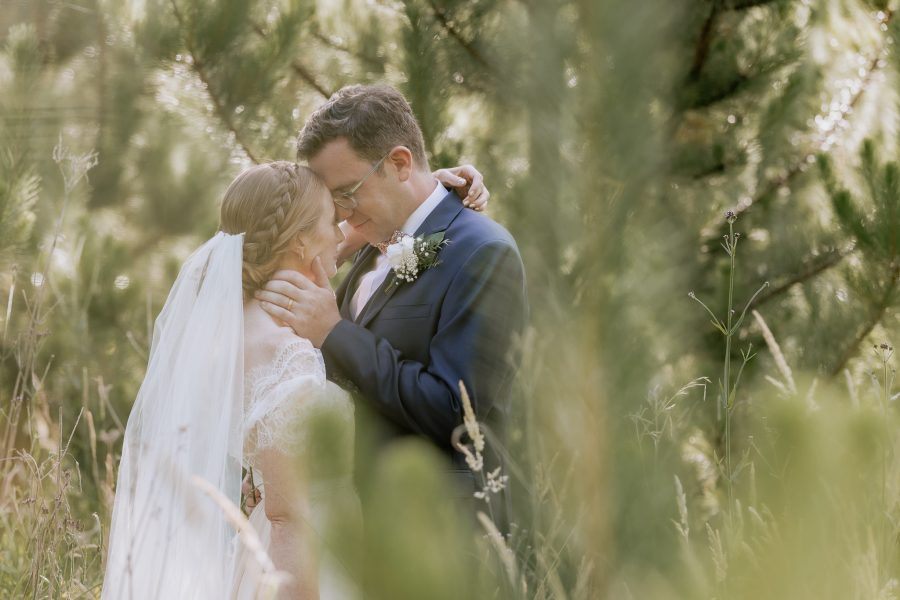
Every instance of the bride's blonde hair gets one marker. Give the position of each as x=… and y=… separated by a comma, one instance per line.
x=273, y=204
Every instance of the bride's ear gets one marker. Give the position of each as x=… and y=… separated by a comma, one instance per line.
x=298, y=248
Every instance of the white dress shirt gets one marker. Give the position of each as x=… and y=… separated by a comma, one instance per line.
x=370, y=282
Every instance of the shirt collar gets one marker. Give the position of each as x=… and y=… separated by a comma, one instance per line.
x=421, y=213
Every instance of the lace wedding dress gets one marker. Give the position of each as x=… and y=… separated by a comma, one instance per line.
x=290, y=407
x=224, y=384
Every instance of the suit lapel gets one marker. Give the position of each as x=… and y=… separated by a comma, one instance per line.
x=439, y=220
x=377, y=301
x=442, y=215
x=348, y=287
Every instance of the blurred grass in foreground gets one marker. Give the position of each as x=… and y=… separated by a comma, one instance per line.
x=614, y=136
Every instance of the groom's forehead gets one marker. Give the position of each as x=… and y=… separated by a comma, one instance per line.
x=337, y=164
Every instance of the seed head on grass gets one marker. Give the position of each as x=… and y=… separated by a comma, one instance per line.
x=475, y=460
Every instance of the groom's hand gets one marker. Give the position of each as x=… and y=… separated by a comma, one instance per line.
x=308, y=307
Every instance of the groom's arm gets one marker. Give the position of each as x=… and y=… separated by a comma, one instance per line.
x=485, y=306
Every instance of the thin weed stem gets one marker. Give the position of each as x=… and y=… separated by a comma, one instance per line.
x=728, y=327
x=731, y=248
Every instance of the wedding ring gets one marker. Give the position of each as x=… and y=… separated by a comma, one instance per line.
x=290, y=306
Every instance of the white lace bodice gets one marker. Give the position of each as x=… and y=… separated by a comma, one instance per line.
x=288, y=403
x=290, y=406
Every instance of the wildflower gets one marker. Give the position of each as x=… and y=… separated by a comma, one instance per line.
x=496, y=482
x=730, y=216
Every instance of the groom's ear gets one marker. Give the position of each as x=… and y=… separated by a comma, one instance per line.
x=402, y=159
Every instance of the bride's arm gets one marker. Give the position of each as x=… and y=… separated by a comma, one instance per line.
x=292, y=547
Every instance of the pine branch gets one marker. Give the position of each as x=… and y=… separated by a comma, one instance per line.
x=308, y=77
x=704, y=43
x=334, y=45
x=714, y=169
x=745, y=4
x=442, y=18
x=733, y=87
x=701, y=52
x=814, y=267
x=300, y=69
x=199, y=68
x=875, y=319
x=769, y=188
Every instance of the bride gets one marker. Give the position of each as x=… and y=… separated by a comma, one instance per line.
x=228, y=388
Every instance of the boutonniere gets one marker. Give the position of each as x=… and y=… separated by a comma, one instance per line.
x=408, y=256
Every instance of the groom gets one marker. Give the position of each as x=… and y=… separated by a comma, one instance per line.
x=405, y=345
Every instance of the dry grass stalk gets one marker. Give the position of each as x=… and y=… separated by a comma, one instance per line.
x=683, y=524
x=775, y=350
x=272, y=578
x=507, y=557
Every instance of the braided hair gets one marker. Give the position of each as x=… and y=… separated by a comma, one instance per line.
x=272, y=204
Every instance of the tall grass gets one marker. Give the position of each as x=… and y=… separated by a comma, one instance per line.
x=50, y=542
x=809, y=511
x=789, y=491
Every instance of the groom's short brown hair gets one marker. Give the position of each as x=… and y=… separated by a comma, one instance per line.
x=373, y=118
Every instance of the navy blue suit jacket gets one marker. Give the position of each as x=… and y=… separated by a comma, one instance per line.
x=410, y=346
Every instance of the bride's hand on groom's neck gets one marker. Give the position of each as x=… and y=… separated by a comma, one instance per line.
x=468, y=183
x=308, y=306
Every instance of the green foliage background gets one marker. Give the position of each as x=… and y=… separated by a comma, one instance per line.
x=613, y=135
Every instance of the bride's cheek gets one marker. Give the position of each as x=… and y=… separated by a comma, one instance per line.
x=329, y=262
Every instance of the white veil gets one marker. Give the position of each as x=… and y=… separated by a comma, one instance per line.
x=167, y=538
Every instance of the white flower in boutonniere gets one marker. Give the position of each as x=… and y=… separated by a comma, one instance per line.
x=408, y=256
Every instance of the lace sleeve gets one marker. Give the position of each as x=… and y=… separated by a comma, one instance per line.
x=281, y=395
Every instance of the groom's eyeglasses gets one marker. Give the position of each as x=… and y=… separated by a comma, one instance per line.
x=347, y=200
